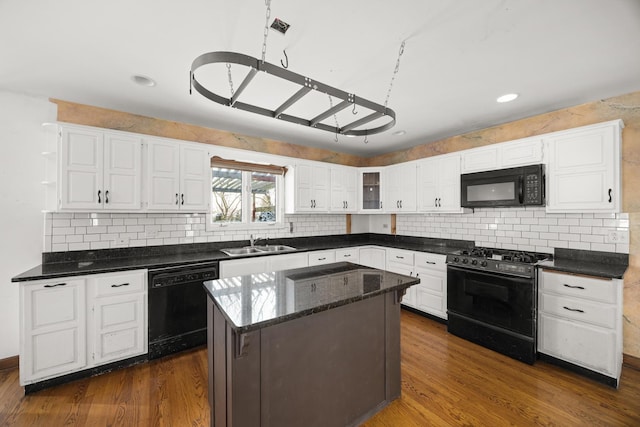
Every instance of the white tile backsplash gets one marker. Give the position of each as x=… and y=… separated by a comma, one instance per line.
x=529, y=229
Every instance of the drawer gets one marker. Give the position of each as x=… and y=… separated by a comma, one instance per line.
x=120, y=283
x=587, y=346
x=578, y=286
x=399, y=256
x=322, y=257
x=578, y=309
x=348, y=255
x=427, y=260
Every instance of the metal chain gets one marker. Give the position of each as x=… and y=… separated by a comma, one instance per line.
x=334, y=117
x=395, y=72
x=230, y=79
x=266, y=29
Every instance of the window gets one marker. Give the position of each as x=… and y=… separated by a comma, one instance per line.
x=245, y=194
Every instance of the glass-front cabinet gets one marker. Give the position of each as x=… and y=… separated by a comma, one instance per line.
x=371, y=190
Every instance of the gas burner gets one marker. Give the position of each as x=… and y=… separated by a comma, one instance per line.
x=498, y=260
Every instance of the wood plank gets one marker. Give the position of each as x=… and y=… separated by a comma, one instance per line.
x=445, y=381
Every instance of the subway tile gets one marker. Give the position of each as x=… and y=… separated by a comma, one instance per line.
x=569, y=221
x=73, y=238
x=592, y=238
x=57, y=231
x=59, y=247
x=622, y=248
x=134, y=228
x=79, y=246
x=80, y=222
x=580, y=230
x=59, y=239
x=91, y=237
x=569, y=237
x=96, y=230
x=116, y=229
x=540, y=228
x=100, y=245
x=590, y=222
x=603, y=247
x=61, y=223
x=580, y=245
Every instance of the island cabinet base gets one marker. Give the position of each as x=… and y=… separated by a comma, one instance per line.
x=331, y=368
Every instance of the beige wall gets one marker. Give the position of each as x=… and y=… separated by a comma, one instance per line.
x=625, y=107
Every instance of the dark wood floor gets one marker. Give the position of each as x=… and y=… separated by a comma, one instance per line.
x=445, y=381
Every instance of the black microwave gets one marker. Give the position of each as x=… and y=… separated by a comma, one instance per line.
x=521, y=186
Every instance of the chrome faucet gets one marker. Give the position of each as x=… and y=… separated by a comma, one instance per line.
x=253, y=240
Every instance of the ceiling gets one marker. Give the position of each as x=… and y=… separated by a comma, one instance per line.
x=459, y=57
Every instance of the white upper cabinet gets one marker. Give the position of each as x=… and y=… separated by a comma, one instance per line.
x=370, y=190
x=307, y=188
x=583, y=172
x=526, y=151
x=178, y=176
x=344, y=189
x=99, y=170
x=439, y=184
x=400, y=188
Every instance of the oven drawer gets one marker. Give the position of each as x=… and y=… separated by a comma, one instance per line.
x=578, y=286
x=435, y=261
x=119, y=284
x=576, y=309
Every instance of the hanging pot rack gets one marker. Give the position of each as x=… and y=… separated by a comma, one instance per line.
x=306, y=85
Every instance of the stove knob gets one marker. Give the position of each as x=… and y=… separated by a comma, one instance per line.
x=464, y=260
x=456, y=259
x=483, y=263
x=474, y=261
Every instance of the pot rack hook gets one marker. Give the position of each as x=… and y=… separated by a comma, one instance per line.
x=336, y=138
x=286, y=58
x=354, y=112
x=365, y=138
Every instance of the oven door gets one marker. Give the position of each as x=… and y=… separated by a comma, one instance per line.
x=500, y=300
x=495, y=188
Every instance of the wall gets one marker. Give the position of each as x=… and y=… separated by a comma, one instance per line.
x=21, y=200
x=83, y=231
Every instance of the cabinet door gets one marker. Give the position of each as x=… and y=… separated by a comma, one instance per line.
x=122, y=172
x=347, y=255
x=428, y=189
x=521, y=152
x=163, y=177
x=195, y=179
x=588, y=346
x=372, y=257
x=401, y=188
x=242, y=267
x=81, y=166
x=350, y=179
x=344, y=189
x=371, y=190
x=120, y=327
x=431, y=292
x=288, y=261
x=481, y=159
x=584, y=170
x=53, y=329
x=320, y=186
x=322, y=257
x=449, y=184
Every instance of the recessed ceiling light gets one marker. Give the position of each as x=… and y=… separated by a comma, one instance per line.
x=143, y=80
x=507, y=98
x=399, y=133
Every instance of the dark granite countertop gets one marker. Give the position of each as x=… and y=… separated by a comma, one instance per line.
x=256, y=301
x=76, y=263
x=592, y=263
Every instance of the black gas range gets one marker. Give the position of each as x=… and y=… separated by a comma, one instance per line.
x=492, y=299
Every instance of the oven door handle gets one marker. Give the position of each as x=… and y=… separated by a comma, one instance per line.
x=488, y=273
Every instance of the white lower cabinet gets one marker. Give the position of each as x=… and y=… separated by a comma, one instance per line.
x=322, y=257
x=372, y=256
x=75, y=323
x=348, y=255
x=580, y=321
x=430, y=295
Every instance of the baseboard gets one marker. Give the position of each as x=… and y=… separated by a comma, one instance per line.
x=631, y=362
x=9, y=363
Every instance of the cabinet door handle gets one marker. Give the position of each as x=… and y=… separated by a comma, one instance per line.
x=313, y=287
x=573, y=286
x=106, y=196
x=573, y=309
x=120, y=285
x=346, y=204
x=57, y=284
x=610, y=195
x=439, y=204
x=182, y=198
x=176, y=198
x=435, y=202
x=99, y=198
x=400, y=204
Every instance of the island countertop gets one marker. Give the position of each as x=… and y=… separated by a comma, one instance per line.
x=259, y=300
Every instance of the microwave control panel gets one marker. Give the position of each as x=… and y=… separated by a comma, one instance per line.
x=533, y=189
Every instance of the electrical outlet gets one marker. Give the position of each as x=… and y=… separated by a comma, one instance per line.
x=385, y=225
x=617, y=236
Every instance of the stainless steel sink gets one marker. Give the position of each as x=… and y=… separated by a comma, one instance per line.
x=275, y=248
x=257, y=250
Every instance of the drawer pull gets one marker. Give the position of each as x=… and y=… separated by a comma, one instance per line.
x=573, y=286
x=431, y=262
x=346, y=255
x=120, y=285
x=399, y=257
x=573, y=309
x=322, y=259
x=53, y=286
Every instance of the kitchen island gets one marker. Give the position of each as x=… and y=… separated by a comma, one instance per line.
x=315, y=346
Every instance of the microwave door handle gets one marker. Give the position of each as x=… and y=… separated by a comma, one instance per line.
x=520, y=190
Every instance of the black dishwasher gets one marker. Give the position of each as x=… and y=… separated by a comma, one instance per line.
x=178, y=307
